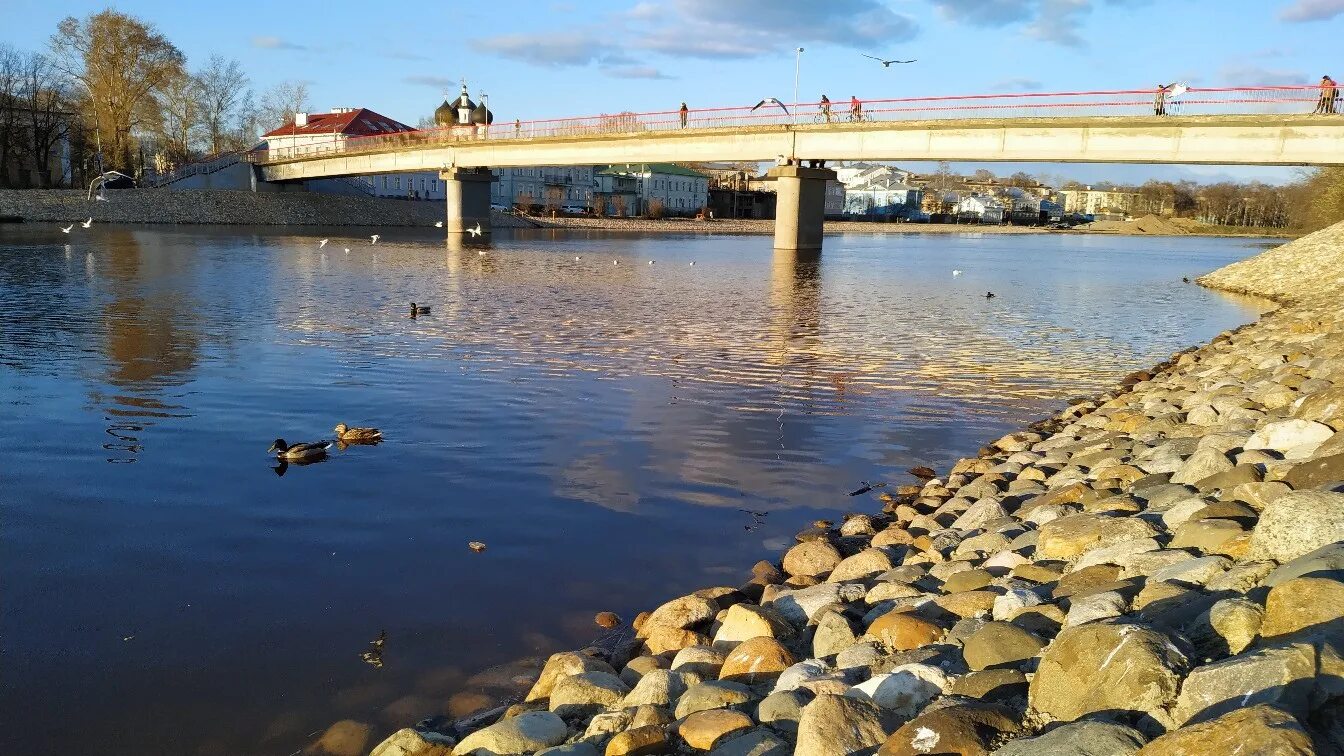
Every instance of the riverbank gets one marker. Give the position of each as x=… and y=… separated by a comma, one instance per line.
x=1153, y=570
x=750, y=226
x=64, y=206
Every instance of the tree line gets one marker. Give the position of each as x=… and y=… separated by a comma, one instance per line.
x=123, y=97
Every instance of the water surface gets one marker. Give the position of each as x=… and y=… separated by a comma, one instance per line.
x=598, y=421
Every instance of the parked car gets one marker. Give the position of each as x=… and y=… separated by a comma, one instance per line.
x=573, y=210
x=500, y=208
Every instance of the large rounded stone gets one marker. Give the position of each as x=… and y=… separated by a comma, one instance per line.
x=344, y=738
x=1203, y=463
x=659, y=687
x=525, y=733
x=586, y=694
x=1085, y=738
x=661, y=640
x=757, y=660
x=782, y=709
x=408, y=742
x=1001, y=645
x=1105, y=667
x=1237, y=621
x=1295, y=677
x=755, y=743
x=840, y=726
x=744, y=621
x=1297, y=523
x=680, y=614
x=703, y=729
x=864, y=564
x=565, y=664
x=903, y=631
x=833, y=634
x=811, y=559
x=1306, y=602
x=1072, y=536
x=714, y=694
x=905, y=690
x=1294, y=438
x=705, y=661
x=963, y=729
x=1256, y=730
x=1316, y=472
x=639, y=741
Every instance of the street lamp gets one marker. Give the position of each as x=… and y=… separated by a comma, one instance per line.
x=797, y=67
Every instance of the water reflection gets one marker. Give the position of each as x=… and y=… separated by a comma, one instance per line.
x=614, y=432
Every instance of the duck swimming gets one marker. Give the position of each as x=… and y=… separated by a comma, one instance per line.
x=419, y=309
x=355, y=435
x=311, y=450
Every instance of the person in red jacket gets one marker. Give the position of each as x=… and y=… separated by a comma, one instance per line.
x=1329, y=93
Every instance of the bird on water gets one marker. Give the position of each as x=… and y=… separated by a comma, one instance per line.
x=66, y=229
x=311, y=450
x=419, y=309
x=87, y=223
x=347, y=434
x=989, y=295
x=375, y=238
x=476, y=231
x=322, y=243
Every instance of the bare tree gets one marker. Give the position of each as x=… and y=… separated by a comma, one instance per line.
x=11, y=84
x=121, y=62
x=50, y=120
x=281, y=102
x=222, y=87
x=179, y=117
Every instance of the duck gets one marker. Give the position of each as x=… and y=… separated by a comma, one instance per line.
x=311, y=450
x=419, y=309
x=347, y=434
x=989, y=295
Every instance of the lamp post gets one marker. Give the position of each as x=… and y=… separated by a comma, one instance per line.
x=797, y=68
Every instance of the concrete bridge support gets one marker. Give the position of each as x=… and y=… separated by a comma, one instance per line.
x=800, y=206
x=468, y=193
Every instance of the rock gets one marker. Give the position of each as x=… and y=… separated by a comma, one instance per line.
x=1237, y=621
x=781, y=710
x=1071, y=536
x=643, y=716
x=659, y=687
x=522, y=734
x=1107, y=666
x=640, y=666
x=1296, y=438
x=662, y=640
x=704, y=661
x=1240, y=475
x=902, y=631
x=964, y=729
x=811, y=558
x=606, y=620
x=1085, y=738
x=408, y=742
x=978, y=514
x=714, y=694
x=1295, y=677
x=969, y=580
x=1241, y=577
x=1095, y=607
x=1202, y=464
x=703, y=729
x=1014, y=600
x=602, y=726
x=1323, y=406
x=1328, y=558
x=1000, y=645
x=755, y=661
x=968, y=603
x=840, y=726
x=1306, y=602
x=833, y=634
x=638, y=741
x=745, y=621
x=905, y=690
x=564, y=664
x=798, y=606
x=1192, y=572
x=344, y=738
x=680, y=614
x=580, y=748
x=1316, y=472
x=586, y=694
x=1259, y=729
x=754, y=743
x=1297, y=523
x=1209, y=536
x=992, y=686
x=864, y=564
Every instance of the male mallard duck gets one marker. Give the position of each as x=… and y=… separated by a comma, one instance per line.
x=299, y=451
x=419, y=309
x=347, y=434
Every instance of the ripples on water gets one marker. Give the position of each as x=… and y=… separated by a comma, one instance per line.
x=599, y=425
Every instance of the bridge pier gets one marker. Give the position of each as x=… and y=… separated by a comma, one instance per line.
x=468, y=193
x=800, y=205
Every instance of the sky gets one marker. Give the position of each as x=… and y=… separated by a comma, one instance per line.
x=552, y=59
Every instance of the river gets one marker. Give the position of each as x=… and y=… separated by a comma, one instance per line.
x=598, y=421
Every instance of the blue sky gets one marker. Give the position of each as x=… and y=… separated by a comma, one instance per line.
x=559, y=58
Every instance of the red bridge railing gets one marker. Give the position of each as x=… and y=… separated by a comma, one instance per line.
x=1121, y=102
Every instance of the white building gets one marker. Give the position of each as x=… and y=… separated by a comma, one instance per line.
x=979, y=208
x=882, y=194
x=568, y=186
x=636, y=186
x=859, y=172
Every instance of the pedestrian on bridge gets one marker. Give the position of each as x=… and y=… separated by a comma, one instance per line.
x=826, y=108
x=855, y=109
x=684, y=112
x=1160, y=99
x=1329, y=94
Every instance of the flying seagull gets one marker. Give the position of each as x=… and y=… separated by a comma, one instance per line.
x=475, y=231
x=66, y=229
x=956, y=273
x=375, y=238
x=438, y=224
x=322, y=243
x=887, y=63
x=87, y=223
x=770, y=101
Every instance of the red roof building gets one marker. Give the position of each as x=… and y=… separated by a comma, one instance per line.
x=349, y=122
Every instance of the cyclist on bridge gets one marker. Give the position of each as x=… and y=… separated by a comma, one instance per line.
x=826, y=108
x=855, y=109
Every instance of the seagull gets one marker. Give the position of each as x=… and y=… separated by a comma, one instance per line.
x=956, y=272
x=770, y=101
x=650, y=262
x=100, y=197
x=692, y=263
x=438, y=224
x=576, y=258
x=322, y=243
x=87, y=223
x=481, y=253
x=475, y=231
x=615, y=262
x=887, y=63
x=375, y=238
x=347, y=250
x=66, y=229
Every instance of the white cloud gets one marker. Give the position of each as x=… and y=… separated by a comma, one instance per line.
x=438, y=82
x=558, y=48
x=275, y=43
x=634, y=72
x=1312, y=10
x=1241, y=74
x=1017, y=85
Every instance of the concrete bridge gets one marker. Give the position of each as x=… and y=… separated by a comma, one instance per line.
x=1229, y=126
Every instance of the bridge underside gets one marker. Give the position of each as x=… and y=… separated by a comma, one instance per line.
x=1212, y=140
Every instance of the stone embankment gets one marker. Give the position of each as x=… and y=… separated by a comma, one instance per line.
x=1158, y=570
x=223, y=207
x=748, y=226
